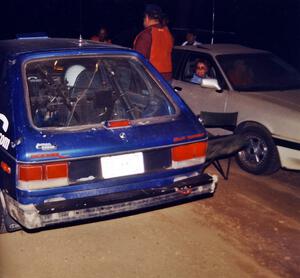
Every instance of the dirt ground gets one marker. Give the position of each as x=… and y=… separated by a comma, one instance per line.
x=250, y=228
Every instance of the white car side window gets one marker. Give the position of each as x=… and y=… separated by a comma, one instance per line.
x=197, y=68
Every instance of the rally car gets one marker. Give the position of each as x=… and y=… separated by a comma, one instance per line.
x=90, y=130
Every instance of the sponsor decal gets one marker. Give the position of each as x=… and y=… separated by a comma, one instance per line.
x=4, y=141
x=5, y=122
x=188, y=137
x=45, y=146
x=47, y=155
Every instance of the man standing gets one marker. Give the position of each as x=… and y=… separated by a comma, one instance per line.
x=155, y=42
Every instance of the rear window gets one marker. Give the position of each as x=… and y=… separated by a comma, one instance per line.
x=91, y=90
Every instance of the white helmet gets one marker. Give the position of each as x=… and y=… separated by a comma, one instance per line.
x=72, y=74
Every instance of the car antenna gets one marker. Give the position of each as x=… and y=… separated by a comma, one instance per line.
x=80, y=41
x=80, y=23
x=213, y=23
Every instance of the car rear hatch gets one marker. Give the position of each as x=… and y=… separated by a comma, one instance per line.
x=102, y=118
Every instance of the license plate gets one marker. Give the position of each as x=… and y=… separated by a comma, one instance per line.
x=122, y=165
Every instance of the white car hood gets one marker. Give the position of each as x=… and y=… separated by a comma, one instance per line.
x=278, y=111
x=289, y=99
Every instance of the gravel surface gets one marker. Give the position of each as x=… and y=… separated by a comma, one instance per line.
x=250, y=228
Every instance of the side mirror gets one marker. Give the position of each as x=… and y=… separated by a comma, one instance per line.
x=211, y=83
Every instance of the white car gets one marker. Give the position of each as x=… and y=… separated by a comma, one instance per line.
x=263, y=89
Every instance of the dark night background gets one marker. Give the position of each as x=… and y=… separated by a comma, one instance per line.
x=267, y=24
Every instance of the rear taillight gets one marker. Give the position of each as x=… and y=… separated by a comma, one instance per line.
x=41, y=176
x=30, y=173
x=57, y=170
x=189, y=154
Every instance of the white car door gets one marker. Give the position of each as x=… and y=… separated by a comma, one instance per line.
x=201, y=99
x=197, y=97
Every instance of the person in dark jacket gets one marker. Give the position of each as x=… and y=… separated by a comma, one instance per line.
x=155, y=42
x=102, y=36
x=191, y=39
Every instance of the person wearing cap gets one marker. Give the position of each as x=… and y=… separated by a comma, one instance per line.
x=155, y=42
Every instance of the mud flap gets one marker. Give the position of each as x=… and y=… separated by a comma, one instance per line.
x=10, y=225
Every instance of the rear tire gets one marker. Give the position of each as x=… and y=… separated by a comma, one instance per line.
x=260, y=157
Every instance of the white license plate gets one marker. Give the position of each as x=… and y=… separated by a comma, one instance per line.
x=122, y=165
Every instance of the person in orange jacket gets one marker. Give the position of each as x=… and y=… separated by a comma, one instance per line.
x=155, y=42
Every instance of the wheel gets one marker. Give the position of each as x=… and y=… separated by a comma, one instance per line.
x=2, y=221
x=261, y=155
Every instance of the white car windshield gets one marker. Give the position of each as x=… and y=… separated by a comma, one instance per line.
x=82, y=91
x=259, y=72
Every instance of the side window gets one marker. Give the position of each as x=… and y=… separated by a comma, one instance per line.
x=199, y=66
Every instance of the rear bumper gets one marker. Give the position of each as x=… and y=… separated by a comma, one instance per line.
x=289, y=153
x=33, y=216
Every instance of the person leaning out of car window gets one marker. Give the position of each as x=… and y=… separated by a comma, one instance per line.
x=201, y=71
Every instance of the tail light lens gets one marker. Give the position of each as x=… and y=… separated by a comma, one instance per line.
x=41, y=176
x=30, y=173
x=58, y=170
x=189, y=155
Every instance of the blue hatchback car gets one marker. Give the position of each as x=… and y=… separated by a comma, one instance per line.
x=89, y=130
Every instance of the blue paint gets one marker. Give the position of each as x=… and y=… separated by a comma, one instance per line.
x=95, y=141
